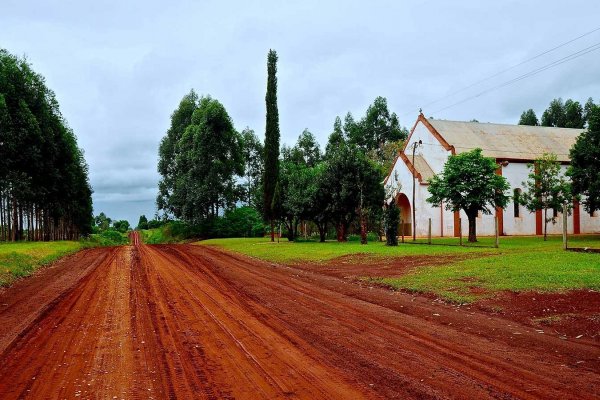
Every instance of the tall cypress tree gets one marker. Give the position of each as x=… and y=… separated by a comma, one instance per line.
x=271, y=172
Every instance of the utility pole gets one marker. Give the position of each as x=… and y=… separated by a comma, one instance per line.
x=414, y=222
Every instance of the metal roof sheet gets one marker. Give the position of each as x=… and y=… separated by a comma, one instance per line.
x=519, y=142
x=422, y=168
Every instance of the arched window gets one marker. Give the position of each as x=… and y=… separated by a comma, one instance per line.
x=517, y=206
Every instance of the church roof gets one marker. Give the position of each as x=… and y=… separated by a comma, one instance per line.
x=422, y=168
x=502, y=141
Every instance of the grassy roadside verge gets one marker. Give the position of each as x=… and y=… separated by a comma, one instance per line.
x=21, y=259
x=18, y=260
x=520, y=264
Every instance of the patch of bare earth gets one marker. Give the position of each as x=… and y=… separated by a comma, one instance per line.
x=355, y=266
x=570, y=314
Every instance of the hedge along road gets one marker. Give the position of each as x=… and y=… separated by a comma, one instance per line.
x=185, y=321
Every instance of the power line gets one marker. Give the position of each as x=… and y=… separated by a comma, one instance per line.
x=510, y=68
x=563, y=60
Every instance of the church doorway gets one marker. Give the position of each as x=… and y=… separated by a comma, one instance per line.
x=405, y=225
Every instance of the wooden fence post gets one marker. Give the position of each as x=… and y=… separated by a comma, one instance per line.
x=429, y=232
x=402, y=228
x=565, y=244
x=497, y=242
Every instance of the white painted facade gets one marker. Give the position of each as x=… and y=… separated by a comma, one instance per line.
x=435, y=150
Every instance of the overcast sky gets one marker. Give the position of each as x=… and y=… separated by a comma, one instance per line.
x=119, y=68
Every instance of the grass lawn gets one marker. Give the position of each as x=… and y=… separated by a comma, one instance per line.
x=520, y=264
x=23, y=258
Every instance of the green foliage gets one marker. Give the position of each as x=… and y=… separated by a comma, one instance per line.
x=337, y=137
x=554, y=115
x=102, y=222
x=237, y=222
x=529, y=118
x=574, y=117
x=241, y=222
x=142, y=223
x=109, y=237
x=306, y=151
x=271, y=148
x=296, y=191
x=469, y=182
x=253, y=152
x=121, y=226
x=199, y=162
x=392, y=219
x=43, y=174
x=564, y=115
x=155, y=223
x=351, y=184
x=376, y=129
x=169, y=149
x=546, y=188
x=585, y=161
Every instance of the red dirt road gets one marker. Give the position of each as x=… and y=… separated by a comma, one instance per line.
x=184, y=321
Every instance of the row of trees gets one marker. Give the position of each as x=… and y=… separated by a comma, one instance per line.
x=103, y=223
x=559, y=114
x=44, y=189
x=208, y=168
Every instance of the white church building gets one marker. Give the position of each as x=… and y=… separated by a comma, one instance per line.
x=512, y=146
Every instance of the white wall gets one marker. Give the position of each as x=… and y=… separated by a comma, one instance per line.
x=431, y=149
x=515, y=173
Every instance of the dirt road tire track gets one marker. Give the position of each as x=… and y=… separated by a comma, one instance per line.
x=185, y=322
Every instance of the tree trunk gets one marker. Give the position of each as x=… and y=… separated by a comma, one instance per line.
x=341, y=232
x=289, y=224
x=272, y=231
x=322, y=231
x=363, y=227
x=545, y=224
x=472, y=227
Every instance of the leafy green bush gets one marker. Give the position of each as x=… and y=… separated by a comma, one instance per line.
x=109, y=237
x=238, y=222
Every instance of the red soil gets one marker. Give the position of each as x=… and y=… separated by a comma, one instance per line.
x=184, y=321
x=571, y=314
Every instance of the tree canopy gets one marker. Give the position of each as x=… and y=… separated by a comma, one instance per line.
x=271, y=148
x=563, y=115
x=469, y=182
x=559, y=114
x=200, y=161
x=529, y=118
x=253, y=152
x=44, y=188
x=585, y=161
x=546, y=188
x=378, y=134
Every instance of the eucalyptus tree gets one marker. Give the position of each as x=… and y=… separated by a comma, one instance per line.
x=44, y=189
x=378, y=134
x=168, y=151
x=529, y=118
x=585, y=161
x=253, y=152
x=209, y=160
